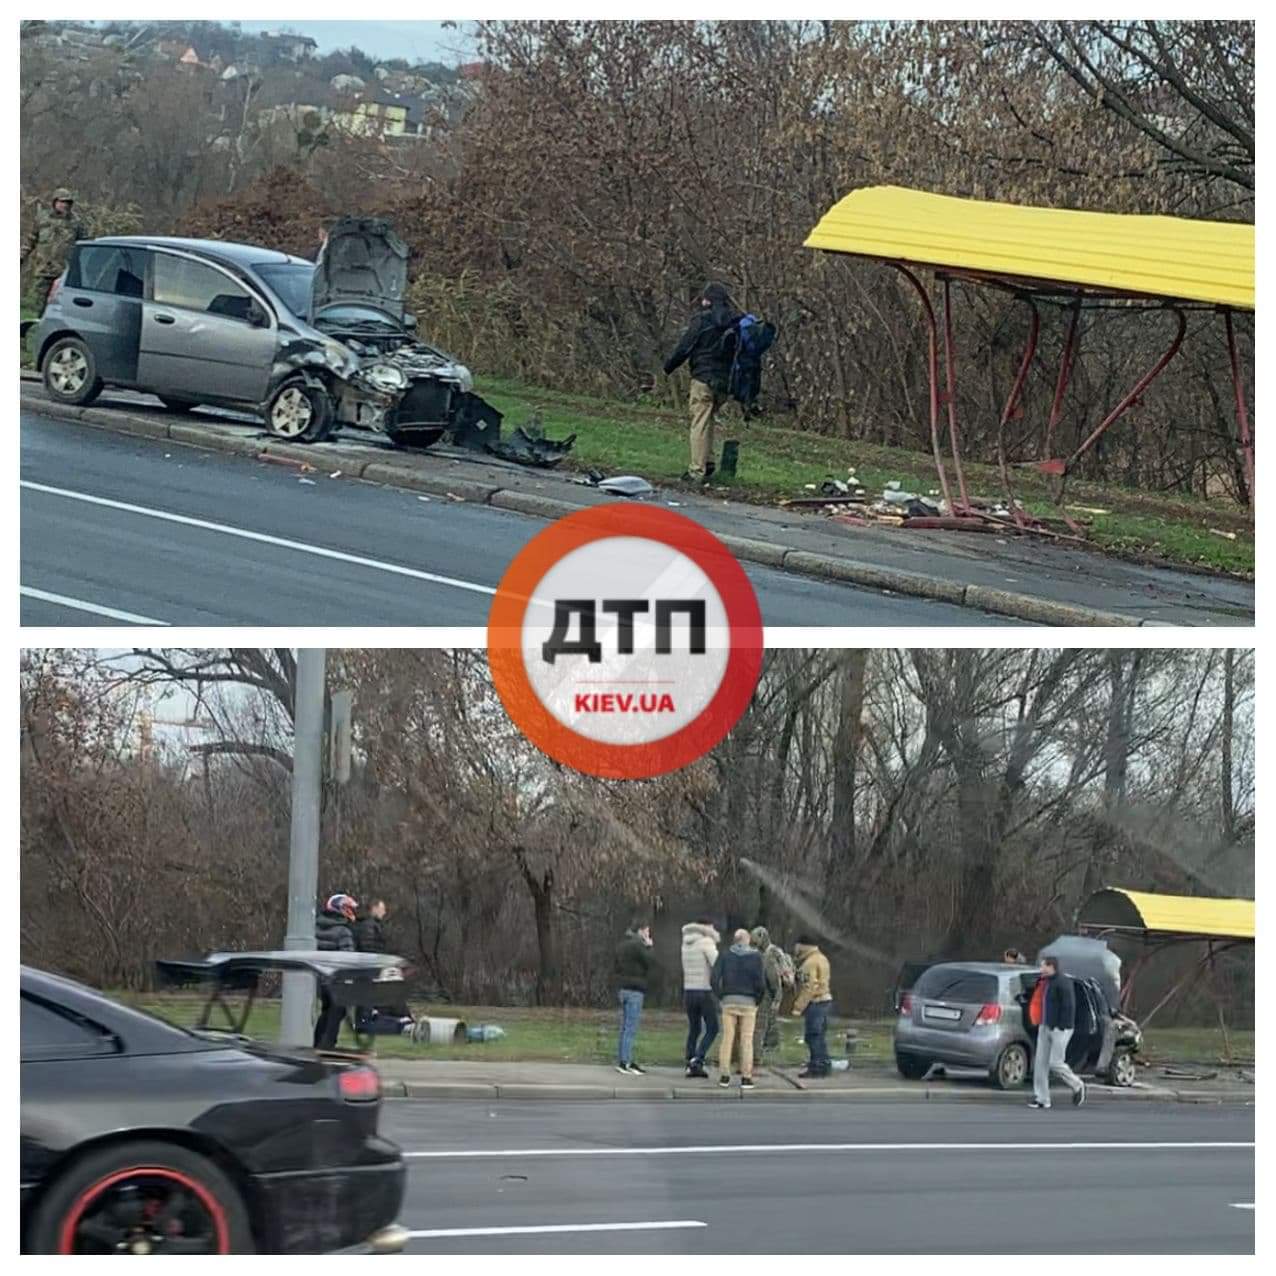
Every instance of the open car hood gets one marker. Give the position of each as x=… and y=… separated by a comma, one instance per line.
x=363, y=262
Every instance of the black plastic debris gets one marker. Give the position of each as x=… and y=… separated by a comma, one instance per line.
x=527, y=449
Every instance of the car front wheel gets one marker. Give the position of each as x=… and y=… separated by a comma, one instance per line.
x=70, y=372
x=299, y=413
x=1122, y=1070
x=146, y=1197
x=1011, y=1068
x=911, y=1067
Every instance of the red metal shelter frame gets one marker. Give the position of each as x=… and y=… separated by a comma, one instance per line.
x=1206, y=967
x=1034, y=293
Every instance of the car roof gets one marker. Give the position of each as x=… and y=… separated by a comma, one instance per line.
x=240, y=254
x=983, y=967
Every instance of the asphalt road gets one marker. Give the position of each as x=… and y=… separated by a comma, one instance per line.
x=683, y=1177
x=214, y=539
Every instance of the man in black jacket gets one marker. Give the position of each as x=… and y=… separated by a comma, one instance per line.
x=1058, y=1020
x=708, y=347
x=634, y=963
x=333, y=933
x=740, y=982
x=369, y=933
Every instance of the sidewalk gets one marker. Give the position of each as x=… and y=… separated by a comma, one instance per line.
x=868, y=1083
x=1018, y=576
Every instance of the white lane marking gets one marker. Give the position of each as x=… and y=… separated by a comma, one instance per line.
x=546, y=1230
x=262, y=537
x=79, y=604
x=1242, y=1205
x=710, y=1149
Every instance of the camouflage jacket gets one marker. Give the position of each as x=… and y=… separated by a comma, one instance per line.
x=49, y=240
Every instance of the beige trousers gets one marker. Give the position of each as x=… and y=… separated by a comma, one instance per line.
x=741, y=1019
x=704, y=403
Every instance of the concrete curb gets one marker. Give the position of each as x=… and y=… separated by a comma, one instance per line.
x=332, y=459
x=497, y=1092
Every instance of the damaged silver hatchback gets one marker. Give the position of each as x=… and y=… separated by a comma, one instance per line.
x=306, y=345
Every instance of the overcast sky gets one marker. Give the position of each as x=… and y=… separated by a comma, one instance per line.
x=426, y=41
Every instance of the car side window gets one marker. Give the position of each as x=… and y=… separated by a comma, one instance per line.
x=111, y=268
x=50, y=1032
x=191, y=285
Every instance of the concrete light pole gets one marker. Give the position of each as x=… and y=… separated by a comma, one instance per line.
x=303, y=856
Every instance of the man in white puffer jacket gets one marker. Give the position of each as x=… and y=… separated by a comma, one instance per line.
x=699, y=953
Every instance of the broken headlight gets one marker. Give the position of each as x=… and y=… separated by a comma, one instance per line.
x=339, y=358
x=464, y=378
x=385, y=376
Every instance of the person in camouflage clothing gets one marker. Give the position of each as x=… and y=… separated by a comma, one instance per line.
x=48, y=243
x=778, y=973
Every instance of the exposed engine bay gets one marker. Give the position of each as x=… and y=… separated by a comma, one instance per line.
x=378, y=374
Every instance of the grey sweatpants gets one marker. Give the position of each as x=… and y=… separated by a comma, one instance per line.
x=1052, y=1047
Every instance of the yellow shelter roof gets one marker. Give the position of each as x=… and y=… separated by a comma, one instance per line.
x=1101, y=254
x=1169, y=914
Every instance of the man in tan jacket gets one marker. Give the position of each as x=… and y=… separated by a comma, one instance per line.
x=813, y=1004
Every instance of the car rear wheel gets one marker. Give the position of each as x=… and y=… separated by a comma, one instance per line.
x=142, y=1198
x=178, y=405
x=1011, y=1068
x=1122, y=1069
x=70, y=372
x=911, y=1067
x=299, y=413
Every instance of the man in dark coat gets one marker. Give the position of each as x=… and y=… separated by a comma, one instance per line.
x=333, y=933
x=369, y=931
x=740, y=982
x=708, y=347
x=370, y=937
x=1055, y=1012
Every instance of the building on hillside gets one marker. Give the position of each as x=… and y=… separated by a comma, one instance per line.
x=287, y=47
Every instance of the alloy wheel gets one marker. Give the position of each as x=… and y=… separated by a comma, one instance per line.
x=292, y=412
x=68, y=371
x=145, y=1210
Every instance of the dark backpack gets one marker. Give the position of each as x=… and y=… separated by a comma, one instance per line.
x=752, y=339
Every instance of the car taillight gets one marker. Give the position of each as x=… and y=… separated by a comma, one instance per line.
x=359, y=1085
x=990, y=1013
x=54, y=289
x=906, y=1004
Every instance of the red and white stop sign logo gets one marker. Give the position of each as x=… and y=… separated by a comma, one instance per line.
x=625, y=641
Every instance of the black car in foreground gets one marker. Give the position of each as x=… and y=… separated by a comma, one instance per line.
x=140, y=1137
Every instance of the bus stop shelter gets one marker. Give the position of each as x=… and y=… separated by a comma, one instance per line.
x=1058, y=257
x=1161, y=922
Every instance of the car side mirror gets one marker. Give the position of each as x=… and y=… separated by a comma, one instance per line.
x=409, y=321
x=257, y=317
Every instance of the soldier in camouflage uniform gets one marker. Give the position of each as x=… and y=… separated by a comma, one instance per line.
x=779, y=978
x=49, y=242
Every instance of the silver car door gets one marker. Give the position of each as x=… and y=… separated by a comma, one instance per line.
x=198, y=338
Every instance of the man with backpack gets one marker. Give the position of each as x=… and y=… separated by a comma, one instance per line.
x=708, y=347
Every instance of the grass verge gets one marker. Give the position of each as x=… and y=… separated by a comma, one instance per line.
x=777, y=463
x=589, y=1036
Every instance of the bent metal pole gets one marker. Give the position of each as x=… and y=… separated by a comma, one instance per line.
x=303, y=856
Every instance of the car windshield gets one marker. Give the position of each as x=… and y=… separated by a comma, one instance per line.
x=357, y=316
x=945, y=983
x=290, y=282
